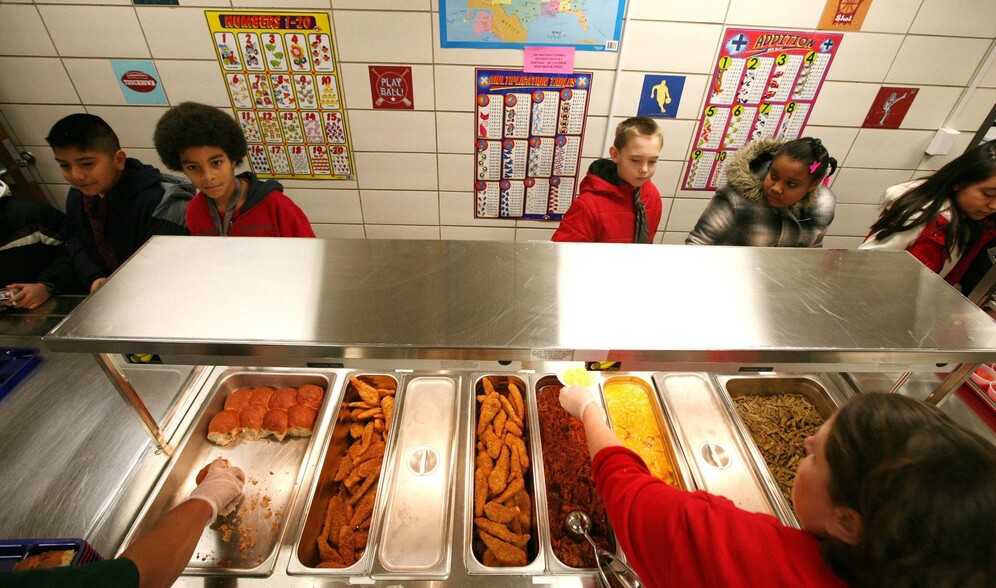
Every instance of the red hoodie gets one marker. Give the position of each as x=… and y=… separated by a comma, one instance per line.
x=267, y=212
x=603, y=210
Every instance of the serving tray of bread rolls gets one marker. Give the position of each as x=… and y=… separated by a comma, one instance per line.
x=266, y=422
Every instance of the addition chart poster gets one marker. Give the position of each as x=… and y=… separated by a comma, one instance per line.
x=763, y=86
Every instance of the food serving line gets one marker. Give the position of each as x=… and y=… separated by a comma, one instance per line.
x=437, y=319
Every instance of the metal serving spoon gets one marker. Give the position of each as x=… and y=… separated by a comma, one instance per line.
x=577, y=524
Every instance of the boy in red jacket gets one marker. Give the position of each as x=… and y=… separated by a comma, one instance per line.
x=618, y=202
x=207, y=145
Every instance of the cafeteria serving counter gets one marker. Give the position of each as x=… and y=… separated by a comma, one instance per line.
x=461, y=310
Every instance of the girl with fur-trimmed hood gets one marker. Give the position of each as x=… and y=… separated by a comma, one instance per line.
x=773, y=197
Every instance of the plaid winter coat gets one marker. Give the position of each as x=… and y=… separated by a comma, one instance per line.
x=738, y=213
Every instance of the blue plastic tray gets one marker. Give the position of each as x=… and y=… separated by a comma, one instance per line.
x=15, y=363
x=14, y=550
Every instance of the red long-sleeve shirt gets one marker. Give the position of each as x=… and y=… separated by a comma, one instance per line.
x=676, y=538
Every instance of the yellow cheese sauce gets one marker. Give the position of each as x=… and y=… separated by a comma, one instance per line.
x=633, y=421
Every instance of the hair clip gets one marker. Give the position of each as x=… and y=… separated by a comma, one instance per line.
x=812, y=168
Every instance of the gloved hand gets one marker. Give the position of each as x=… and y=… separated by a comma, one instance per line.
x=221, y=488
x=576, y=398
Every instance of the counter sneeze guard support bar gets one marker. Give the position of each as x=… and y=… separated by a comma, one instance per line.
x=132, y=399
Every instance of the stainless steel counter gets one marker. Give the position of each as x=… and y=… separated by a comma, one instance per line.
x=434, y=306
x=290, y=301
x=74, y=462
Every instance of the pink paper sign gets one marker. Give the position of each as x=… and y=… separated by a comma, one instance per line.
x=549, y=60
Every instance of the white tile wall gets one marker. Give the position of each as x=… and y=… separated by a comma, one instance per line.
x=679, y=10
x=133, y=125
x=891, y=16
x=843, y=104
x=963, y=18
x=865, y=186
x=937, y=60
x=415, y=168
x=176, y=33
x=852, y=62
x=400, y=207
x=775, y=13
x=398, y=171
x=24, y=32
x=370, y=37
x=197, y=81
x=111, y=31
x=931, y=107
x=893, y=149
x=393, y=130
x=452, y=129
x=663, y=47
x=94, y=81
x=35, y=79
x=322, y=205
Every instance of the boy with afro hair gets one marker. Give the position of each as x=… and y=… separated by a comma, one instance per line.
x=207, y=145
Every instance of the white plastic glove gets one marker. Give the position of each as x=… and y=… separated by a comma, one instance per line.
x=221, y=488
x=575, y=399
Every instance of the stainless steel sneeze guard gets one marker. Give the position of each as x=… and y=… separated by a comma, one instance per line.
x=290, y=300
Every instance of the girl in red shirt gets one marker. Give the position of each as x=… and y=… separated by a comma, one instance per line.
x=892, y=493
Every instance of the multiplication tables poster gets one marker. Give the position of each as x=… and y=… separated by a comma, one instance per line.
x=527, y=147
x=763, y=86
x=282, y=76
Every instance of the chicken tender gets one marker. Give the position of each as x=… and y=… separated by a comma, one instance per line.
x=367, y=392
x=505, y=552
x=501, y=531
x=500, y=513
x=498, y=479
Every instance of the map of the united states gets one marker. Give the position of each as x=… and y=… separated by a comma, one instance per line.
x=587, y=24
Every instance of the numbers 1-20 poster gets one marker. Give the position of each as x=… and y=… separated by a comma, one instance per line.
x=764, y=86
x=282, y=77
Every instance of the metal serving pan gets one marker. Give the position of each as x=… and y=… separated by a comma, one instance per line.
x=305, y=557
x=673, y=458
x=245, y=542
x=472, y=546
x=417, y=531
x=808, y=386
x=554, y=564
x=710, y=440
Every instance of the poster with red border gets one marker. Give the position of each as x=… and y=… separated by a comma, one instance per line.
x=527, y=146
x=283, y=80
x=763, y=86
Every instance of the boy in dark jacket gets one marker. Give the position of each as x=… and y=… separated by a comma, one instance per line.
x=618, y=202
x=207, y=145
x=116, y=202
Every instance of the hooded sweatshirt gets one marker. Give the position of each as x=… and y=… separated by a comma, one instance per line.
x=143, y=203
x=739, y=214
x=603, y=211
x=267, y=212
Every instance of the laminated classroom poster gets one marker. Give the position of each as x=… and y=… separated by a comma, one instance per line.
x=283, y=80
x=764, y=85
x=527, y=147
